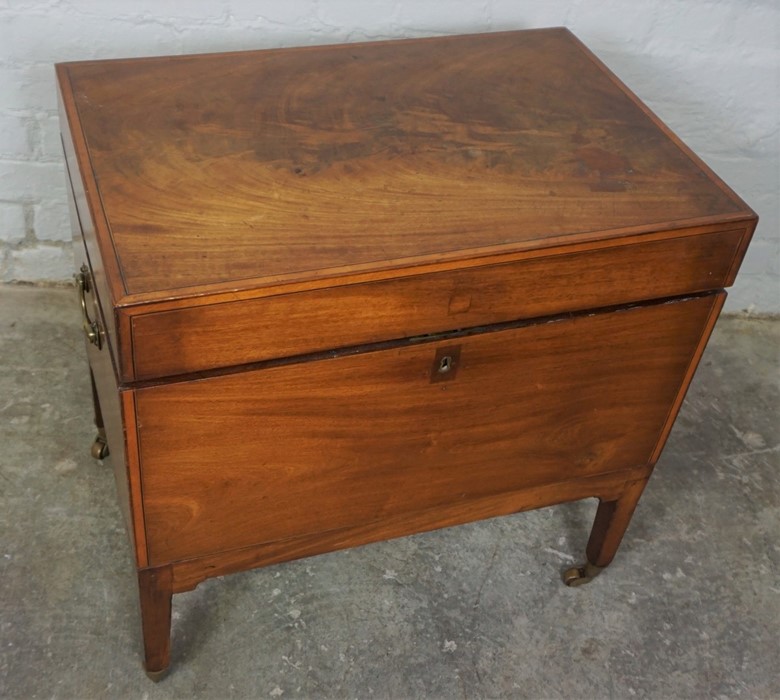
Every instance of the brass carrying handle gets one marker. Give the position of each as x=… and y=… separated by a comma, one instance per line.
x=91, y=328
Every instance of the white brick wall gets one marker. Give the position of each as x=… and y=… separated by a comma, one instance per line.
x=709, y=68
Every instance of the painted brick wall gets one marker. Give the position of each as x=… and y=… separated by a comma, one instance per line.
x=709, y=68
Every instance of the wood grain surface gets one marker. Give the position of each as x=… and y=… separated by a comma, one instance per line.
x=189, y=573
x=155, y=593
x=294, y=164
x=255, y=457
x=197, y=338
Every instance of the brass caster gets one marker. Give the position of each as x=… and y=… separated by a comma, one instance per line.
x=99, y=449
x=578, y=575
x=157, y=676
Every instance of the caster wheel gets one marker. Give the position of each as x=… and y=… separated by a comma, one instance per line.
x=157, y=676
x=579, y=575
x=99, y=449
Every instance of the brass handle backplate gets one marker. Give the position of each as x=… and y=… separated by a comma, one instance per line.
x=91, y=328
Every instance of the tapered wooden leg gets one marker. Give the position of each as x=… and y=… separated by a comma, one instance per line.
x=95, y=401
x=99, y=448
x=612, y=519
x=156, y=591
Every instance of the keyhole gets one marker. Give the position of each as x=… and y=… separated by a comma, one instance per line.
x=445, y=364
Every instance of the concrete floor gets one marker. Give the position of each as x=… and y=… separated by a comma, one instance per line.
x=689, y=609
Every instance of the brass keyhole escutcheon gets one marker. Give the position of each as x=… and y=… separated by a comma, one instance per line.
x=445, y=364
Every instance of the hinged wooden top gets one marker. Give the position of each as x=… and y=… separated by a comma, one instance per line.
x=230, y=171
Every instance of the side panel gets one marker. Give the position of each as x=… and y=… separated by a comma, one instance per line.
x=83, y=228
x=116, y=417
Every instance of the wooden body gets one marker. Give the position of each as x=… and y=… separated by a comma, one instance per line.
x=356, y=292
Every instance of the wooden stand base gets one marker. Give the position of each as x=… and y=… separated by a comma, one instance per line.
x=156, y=585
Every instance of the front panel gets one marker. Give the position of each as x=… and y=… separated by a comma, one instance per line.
x=289, y=450
x=206, y=337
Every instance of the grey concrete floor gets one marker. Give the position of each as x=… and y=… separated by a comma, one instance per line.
x=689, y=609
